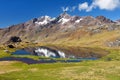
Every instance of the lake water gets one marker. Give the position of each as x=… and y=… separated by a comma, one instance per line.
x=31, y=61
x=52, y=52
x=21, y=52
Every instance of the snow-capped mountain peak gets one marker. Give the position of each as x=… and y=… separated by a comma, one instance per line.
x=65, y=15
x=44, y=20
x=64, y=18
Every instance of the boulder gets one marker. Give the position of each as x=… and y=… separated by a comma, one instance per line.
x=15, y=39
x=11, y=46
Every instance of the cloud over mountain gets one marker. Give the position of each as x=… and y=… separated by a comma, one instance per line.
x=101, y=4
x=70, y=9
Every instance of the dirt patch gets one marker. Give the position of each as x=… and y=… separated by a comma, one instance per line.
x=4, y=72
x=5, y=63
x=6, y=67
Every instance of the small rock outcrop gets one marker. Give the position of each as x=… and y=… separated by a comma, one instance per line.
x=11, y=46
x=15, y=39
x=11, y=43
x=115, y=43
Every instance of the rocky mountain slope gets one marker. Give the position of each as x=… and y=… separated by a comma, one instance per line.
x=65, y=28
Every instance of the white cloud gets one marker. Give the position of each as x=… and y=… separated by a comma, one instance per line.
x=107, y=4
x=71, y=9
x=101, y=4
x=65, y=9
x=83, y=6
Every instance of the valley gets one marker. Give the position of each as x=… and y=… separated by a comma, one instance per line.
x=62, y=48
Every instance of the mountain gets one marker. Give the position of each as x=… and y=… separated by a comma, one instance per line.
x=104, y=19
x=63, y=27
x=118, y=20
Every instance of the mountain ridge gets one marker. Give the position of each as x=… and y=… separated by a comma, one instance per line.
x=64, y=26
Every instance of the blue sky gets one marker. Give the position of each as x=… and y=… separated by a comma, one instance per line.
x=18, y=11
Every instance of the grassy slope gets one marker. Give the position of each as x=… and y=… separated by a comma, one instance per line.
x=92, y=70
x=96, y=40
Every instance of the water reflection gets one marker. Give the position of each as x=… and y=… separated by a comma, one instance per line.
x=45, y=52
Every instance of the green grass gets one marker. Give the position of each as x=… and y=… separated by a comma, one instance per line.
x=88, y=70
x=4, y=54
x=40, y=57
x=27, y=56
x=114, y=55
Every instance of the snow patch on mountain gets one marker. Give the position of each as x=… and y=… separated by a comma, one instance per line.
x=42, y=23
x=63, y=20
x=77, y=21
x=44, y=20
